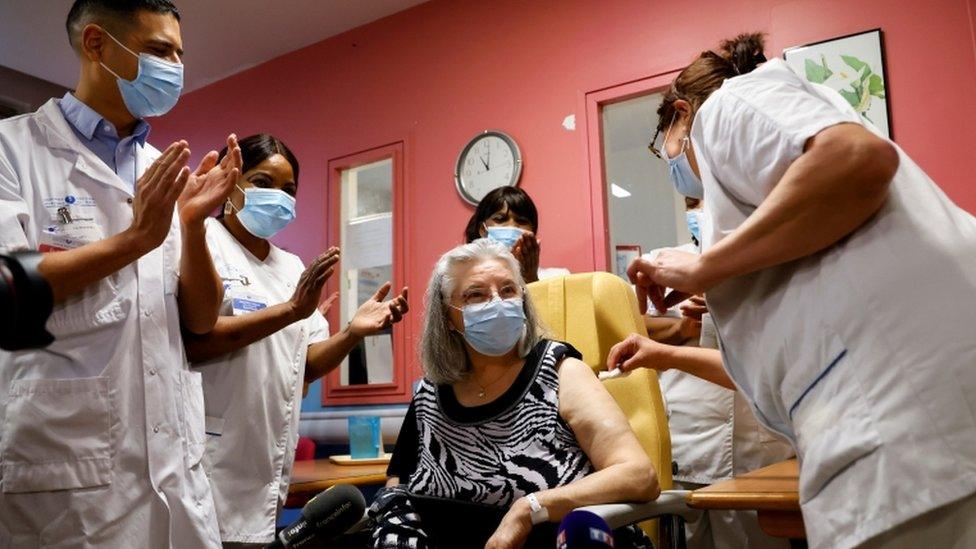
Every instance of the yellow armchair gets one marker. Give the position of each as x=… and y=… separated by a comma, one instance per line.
x=592, y=312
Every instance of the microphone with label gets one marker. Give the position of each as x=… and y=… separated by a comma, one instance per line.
x=583, y=530
x=329, y=514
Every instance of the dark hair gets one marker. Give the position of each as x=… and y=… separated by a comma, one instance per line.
x=516, y=199
x=704, y=75
x=112, y=13
x=259, y=147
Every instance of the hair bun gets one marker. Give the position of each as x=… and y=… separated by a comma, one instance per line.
x=745, y=52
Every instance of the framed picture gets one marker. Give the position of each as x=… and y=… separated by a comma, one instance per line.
x=625, y=254
x=854, y=65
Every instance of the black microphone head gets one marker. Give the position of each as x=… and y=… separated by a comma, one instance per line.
x=335, y=510
x=583, y=530
x=329, y=514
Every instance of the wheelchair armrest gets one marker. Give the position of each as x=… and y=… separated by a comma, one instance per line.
x=670, y=502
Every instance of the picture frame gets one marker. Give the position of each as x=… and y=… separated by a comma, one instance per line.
x=854, y=65
x=625, y=253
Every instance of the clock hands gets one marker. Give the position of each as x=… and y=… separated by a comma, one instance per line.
x=484, y=163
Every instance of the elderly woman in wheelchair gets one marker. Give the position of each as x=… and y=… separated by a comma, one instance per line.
x=508, y=431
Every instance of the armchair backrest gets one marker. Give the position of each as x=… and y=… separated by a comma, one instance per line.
x=592, y=312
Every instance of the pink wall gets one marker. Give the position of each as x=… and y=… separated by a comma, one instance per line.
x=436, y=74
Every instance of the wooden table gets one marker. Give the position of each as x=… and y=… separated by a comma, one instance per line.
x=311, y=477
x=772, y=491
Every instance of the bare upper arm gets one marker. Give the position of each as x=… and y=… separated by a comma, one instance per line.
x=875, y=159
x=598, y=423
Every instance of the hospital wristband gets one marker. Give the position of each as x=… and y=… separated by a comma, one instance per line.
x=539, y=514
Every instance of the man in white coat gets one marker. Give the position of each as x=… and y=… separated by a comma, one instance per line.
x=103, y=430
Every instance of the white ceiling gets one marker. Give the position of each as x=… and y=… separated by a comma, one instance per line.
x=221, y=37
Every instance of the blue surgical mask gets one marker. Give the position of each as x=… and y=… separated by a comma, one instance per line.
x=693, y=219
x=156, y=88
x=493, y=328
x=505, y=235
x=679, y=170
x=266, y=211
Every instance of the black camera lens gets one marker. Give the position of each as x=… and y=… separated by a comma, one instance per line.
x=25, y=302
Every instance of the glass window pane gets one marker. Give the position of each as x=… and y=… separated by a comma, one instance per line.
x=644, y=211
x=366, y=197
x=370, y=188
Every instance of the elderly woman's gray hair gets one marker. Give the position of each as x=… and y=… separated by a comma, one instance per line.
x=442, y=349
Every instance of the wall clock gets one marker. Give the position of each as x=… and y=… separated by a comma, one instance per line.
x=490, y=160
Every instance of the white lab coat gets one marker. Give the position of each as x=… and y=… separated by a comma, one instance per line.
x=862, y=354
x=102, y=432
x=253, y=395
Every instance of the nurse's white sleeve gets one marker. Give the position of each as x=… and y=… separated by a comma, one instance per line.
x=14, y=212
x=750, y=132
x=318, y=328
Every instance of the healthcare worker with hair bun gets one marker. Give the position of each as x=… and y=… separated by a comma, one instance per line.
x=827, y=256
x=269, y=341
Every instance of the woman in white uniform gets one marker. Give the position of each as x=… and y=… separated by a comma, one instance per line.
x=827, y=253
x=268, y=342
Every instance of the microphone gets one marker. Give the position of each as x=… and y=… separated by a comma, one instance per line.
x=326, y=516
x=583, y=530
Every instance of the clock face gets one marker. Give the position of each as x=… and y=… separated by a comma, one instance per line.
x=490, y=160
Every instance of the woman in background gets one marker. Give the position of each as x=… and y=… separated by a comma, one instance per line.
x=509, y=216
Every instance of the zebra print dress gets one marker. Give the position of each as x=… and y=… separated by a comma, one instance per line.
x=489, y=455
x=496, y=453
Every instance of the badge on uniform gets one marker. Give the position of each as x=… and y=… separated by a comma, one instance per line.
x=245, y=305
x=77, y=233
x=67, y=230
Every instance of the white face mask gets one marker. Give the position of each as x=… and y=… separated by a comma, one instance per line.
x=156, y=88
x=693, y=220
x=504, y=234
x=679, y=169
x=493, y=328
x=265, y=211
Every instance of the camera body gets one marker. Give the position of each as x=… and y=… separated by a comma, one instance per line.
x=25, y=302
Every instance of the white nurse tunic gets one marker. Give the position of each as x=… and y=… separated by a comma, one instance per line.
x=862, y=354
x=253, y=395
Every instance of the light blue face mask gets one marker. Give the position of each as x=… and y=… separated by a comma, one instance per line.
x=156, y=88
x=493, y=328
x=265, y=211
x=693, y=220
x=505, y=235
x=679, y=170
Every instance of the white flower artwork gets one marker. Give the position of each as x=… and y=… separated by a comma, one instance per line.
x=853, y=66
